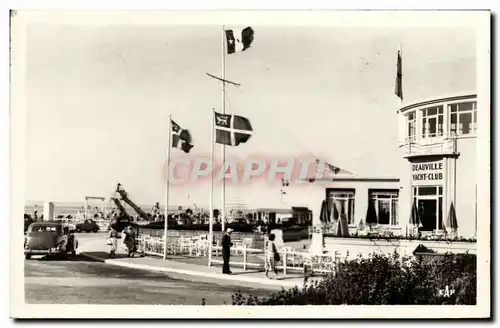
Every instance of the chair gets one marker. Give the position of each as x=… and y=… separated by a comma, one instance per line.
x=289, y=251
x=202, y=246
x=247, y=242
x=237, y=244
x=185, y=244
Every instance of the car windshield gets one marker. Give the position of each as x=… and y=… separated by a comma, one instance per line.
x=44, y=229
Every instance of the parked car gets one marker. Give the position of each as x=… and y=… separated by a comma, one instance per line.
x=46, y=238
x=87, y=225
x=67, y=223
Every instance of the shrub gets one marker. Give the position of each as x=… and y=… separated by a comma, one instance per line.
x=396, y=237
x=384, y=280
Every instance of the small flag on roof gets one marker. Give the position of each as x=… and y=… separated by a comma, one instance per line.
x=232, y=130
x=399, y=77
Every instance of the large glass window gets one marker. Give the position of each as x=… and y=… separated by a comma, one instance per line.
x=429, y=202
x=386, y=206
x=432, y=122
x=411, y=126
x=463, y=118
x=343, y=201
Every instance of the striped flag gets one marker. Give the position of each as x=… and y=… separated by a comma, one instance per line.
x=181, y=138
x=232, y=130
x=399, y=77
x=239, y=40
x=333, y=169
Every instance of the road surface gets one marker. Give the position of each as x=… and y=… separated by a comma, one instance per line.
x=81, y=281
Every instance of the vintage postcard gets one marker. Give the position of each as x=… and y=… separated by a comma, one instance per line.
x=212, y=164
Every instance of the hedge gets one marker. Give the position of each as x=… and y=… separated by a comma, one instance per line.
x=402, y=237
x=384, y=280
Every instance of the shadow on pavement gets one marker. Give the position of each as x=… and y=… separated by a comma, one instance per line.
x=66, y=258
x=105, y=255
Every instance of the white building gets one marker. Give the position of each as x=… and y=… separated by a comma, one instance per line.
x=438, y=141
x=438, y=147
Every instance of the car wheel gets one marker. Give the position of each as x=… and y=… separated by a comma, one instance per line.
x=73, y=253
x=95, y=230
x=78, y=230
x=27, y=256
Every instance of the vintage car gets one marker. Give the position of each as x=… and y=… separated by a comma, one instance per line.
x=46, y=238
x=68, y=223
x=87, y=225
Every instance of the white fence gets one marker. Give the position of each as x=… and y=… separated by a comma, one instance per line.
x=290, y=261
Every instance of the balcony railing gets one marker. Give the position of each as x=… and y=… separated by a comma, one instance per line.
x=428, y=145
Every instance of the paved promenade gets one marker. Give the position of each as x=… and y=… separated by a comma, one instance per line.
x=93, y=246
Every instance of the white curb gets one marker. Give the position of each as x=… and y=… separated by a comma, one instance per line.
x=239, y=278
x=218, y=276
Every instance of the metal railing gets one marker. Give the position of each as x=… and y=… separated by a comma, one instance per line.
x=290, y=261
x=308, y=262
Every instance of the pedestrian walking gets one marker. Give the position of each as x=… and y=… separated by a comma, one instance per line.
x=112, y=242
x=226, y=251
x=272, y=256
x=129, y=241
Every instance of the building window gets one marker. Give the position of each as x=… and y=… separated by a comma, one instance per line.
x=432, y=122
x=463, y=118
x=429, y=203
x=343, y=201
x=411, y=126
x=386, y=206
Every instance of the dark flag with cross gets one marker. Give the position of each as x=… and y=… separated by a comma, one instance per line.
x=239, y=40
x=232, y=130
x=181, y=138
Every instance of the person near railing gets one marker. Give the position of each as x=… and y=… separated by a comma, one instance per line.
x=112, y=242
x=226, y=251
x=272, y=256
x=129, y=241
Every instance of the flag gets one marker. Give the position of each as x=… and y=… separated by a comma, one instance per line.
x=239, y=40
x=181, y=138
x=333, y=169
x=232, y=130
x=399, y=77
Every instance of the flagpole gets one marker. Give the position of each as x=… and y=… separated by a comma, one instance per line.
x=167, y=185
x=408, y=136
x=223, y=208
x=211, y=200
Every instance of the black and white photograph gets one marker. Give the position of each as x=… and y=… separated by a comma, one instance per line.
x=217, y=164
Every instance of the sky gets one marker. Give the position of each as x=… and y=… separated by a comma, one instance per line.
x=98, y=100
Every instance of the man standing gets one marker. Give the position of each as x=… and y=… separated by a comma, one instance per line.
x=226, y=250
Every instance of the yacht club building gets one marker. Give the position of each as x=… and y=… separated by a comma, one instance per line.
x=438, y=150
x=439, y=145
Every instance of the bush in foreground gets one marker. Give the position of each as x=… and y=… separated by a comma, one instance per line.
x=384, y=280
